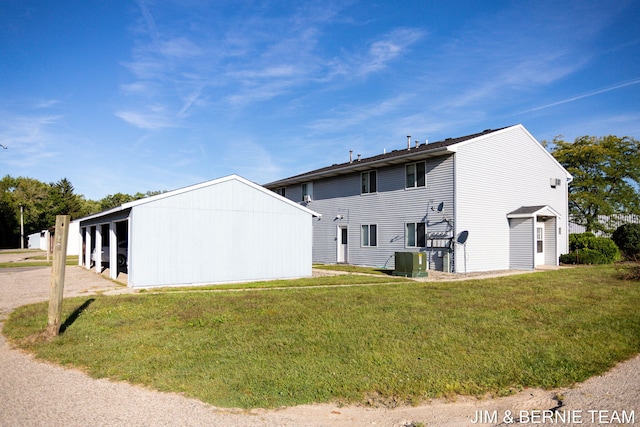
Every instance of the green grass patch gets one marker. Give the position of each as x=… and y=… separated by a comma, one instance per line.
x=403, y=342
x=354, y=269
x=341, y=280
x=38, y=261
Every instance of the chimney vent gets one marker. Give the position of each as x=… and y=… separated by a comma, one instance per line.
x=408, y=142
x=417, y=143
x=358, y=157
x=350, y=156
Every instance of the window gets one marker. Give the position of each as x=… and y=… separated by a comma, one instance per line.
x=416, y=174
x=281, y=191
x=540, y=239
x=369, y=182
x=307, y=190
x=370, y=235
x=416, y=234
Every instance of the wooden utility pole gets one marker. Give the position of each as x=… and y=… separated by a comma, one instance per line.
x=61, y=238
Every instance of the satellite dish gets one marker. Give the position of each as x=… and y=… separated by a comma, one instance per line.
x=440, y=206
x=462, y=237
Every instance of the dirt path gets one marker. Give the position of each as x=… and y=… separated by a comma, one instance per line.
x=33, y=393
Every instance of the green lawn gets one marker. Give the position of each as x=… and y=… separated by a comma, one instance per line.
x=406, y=341
x=33, y=258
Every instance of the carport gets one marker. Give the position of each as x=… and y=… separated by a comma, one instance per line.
x=109, y=231
x=220, y=231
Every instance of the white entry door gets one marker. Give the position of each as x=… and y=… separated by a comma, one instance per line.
x=540, y=244
x=342, y=244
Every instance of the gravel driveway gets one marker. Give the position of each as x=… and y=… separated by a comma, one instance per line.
x=34, y=393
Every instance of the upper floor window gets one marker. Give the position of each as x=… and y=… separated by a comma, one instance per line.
x=369, y=182
x=416, y=174
x=280, y=191
x=307, y=191
x=369, y=235
x=416, y=235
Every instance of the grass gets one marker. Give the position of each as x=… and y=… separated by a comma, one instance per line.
x=354, y=269
x=398, y=343
x=340, y=280
x=38, y=261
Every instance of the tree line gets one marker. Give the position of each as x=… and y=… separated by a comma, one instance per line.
x=40, y=203
x=606, y=178
x=605, y=170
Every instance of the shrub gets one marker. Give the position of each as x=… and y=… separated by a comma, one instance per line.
x=627, y=237
x=586, y=248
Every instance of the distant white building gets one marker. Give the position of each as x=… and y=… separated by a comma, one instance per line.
x=612, y=222
x=40, y=239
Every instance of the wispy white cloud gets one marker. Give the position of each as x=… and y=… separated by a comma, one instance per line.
x=153, y=118
x=29, y=137
x=48, y=103
x=180, y=47
x=381, y=52
x=584, y=95
x=356, y=115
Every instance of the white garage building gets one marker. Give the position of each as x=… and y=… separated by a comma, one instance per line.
x=220, y=231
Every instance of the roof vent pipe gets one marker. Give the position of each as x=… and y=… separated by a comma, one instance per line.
x=350, y=156
x=358, y=157
x=417, y=143
x=408, y=142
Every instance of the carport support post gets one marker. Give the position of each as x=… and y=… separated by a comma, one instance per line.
x=57, y=274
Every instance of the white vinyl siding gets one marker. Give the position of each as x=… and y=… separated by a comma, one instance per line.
x=551, y=255
x=494, y=175
x=226, y=232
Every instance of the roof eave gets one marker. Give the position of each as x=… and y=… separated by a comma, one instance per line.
x=359, y=166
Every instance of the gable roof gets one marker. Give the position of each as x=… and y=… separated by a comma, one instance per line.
x=151, y=199
x=532, y=211
x=423, y=151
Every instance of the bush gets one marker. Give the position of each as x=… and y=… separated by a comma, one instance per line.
x=586, y=248
x=627, y=237
x=631, y=272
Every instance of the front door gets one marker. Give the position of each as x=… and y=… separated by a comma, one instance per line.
x=342, y=244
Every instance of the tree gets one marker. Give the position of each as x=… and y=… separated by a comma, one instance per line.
x=627, y=237
x=33, y=196
x=63, y=199
x=113, y=200
x=606, y=177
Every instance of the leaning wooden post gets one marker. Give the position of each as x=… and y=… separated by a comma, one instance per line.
x=61, y=238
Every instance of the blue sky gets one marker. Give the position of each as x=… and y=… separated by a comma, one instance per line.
x=136, y=96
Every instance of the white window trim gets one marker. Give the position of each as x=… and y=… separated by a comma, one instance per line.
x=369, y=174
x=415, y=234
x=362, y=245
x=415, y=180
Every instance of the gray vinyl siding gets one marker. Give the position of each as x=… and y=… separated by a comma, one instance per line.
x=495, y=175
x=521, y=256
x=389, y=209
